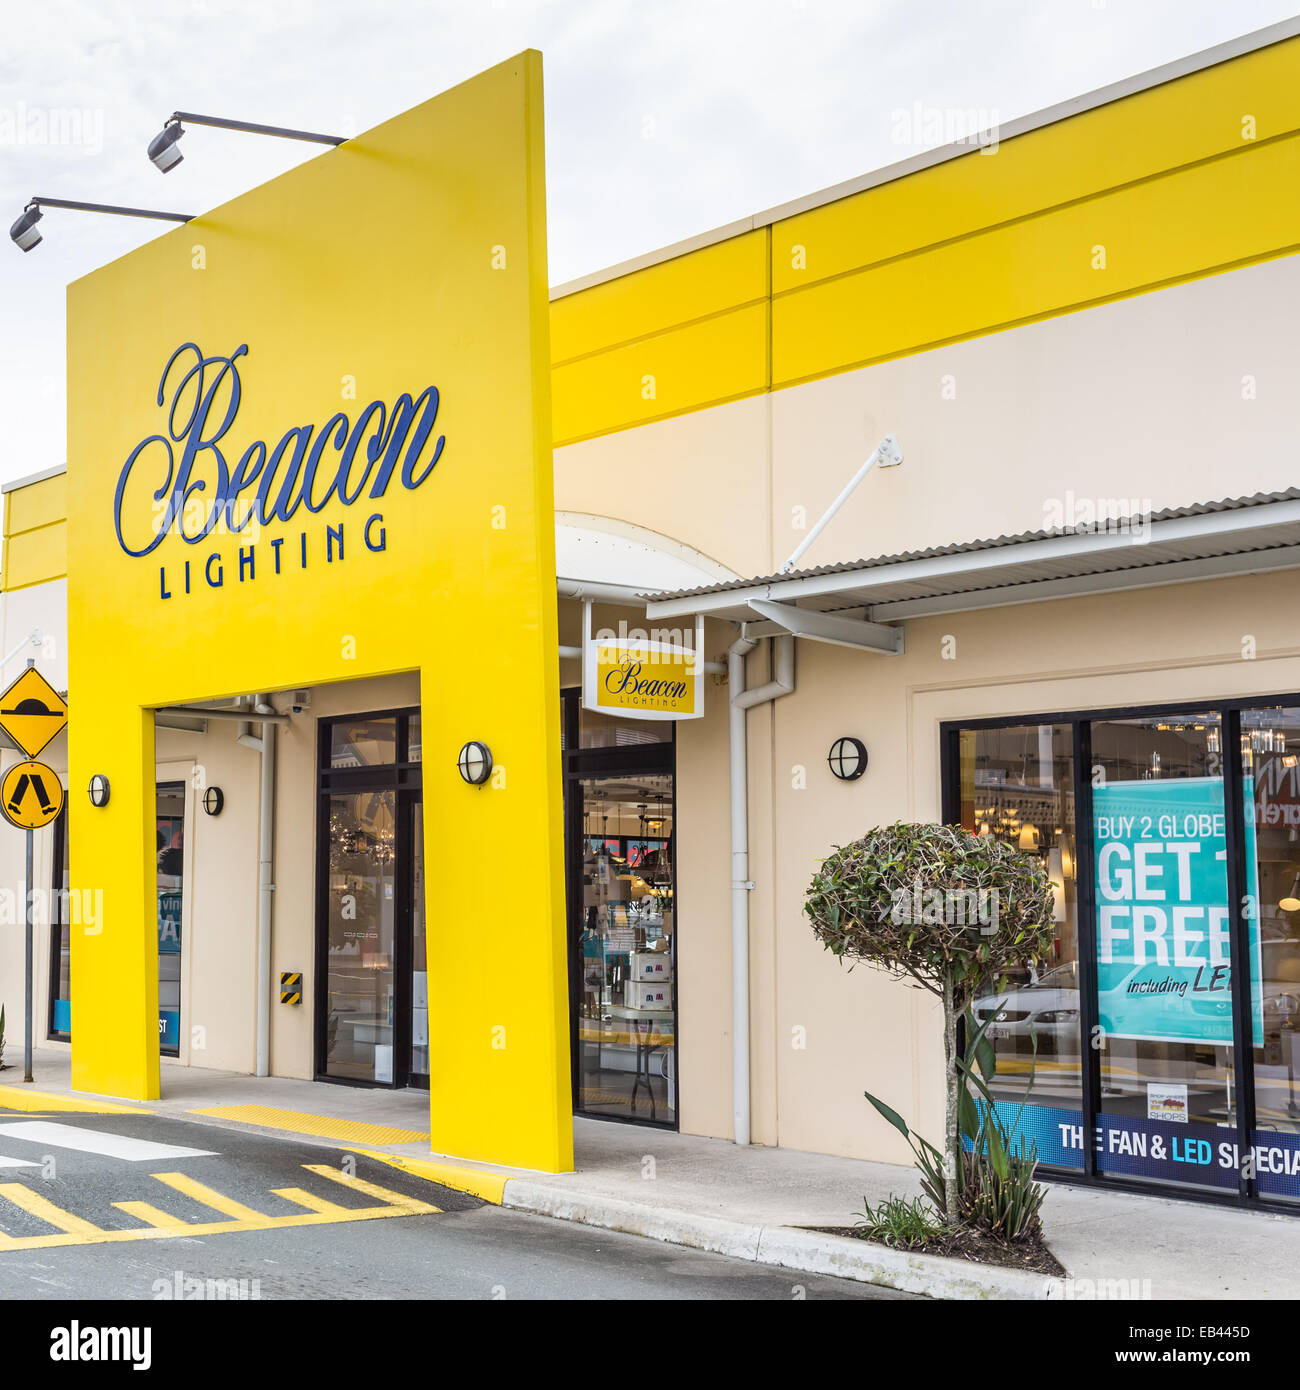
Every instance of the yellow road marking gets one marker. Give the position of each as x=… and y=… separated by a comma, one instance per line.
x=25, y=1099
x=322, y=1126
x=371, y=1189
x=209, y=1197
x=73, y=1230
x=477, y=1182
x=36, y=1205
x=308, y=1200
x=143, y=1211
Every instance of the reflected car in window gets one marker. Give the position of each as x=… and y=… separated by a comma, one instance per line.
x=1046, y=1009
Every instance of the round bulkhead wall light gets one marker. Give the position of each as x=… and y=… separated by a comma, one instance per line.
x=847, y=759
x=475, y=763
x=98, y=791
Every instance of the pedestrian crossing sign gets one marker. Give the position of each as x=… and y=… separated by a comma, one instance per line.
x=32, y=712
x=31, y=795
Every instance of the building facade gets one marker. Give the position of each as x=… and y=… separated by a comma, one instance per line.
x=1065, y=619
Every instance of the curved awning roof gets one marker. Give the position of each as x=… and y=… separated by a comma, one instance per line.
x=603, y=553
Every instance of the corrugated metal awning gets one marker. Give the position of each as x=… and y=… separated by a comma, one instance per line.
x=1241, y=535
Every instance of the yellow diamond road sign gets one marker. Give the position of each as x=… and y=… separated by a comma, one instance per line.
x=31, y=712
x=31, y=795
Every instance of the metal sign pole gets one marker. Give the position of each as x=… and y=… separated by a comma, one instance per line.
x=27, y=1027
x=32, y=713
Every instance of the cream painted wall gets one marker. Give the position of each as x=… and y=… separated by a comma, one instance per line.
x=1148, y=399
x=704, y=908
x=218, y=936
x=703, y=479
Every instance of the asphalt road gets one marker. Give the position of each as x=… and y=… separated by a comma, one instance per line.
x=255, y=1216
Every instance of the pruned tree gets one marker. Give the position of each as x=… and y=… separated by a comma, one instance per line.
x=951, y=911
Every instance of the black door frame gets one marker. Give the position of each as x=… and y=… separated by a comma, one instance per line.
x=405, y=779
x=1229, y=710
x=626, y=760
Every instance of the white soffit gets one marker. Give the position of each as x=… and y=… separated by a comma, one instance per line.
x=603, y=551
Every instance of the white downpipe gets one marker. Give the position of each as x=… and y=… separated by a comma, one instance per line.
x=265, y=745
x=741, y=884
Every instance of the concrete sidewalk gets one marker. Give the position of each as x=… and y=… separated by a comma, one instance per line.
x=753, y=1202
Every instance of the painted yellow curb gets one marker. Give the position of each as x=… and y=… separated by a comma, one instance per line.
x=322, y=1126
x=490, y=1187
x=25, y=1099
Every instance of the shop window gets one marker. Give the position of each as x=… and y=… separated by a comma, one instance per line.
x=1270, y=758
x=1177, y=943
x=626, y=1007
x=60, y=1020
x=362, y=742
x=599, y=730
x=414, y=741
x=170, y=894
x=1017, y=785
x=169, y=897
x=1165, y=1014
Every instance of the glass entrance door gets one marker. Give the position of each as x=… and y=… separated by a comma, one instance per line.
x=170, y=895
x=372, y=999
x=419, y=1008
x=625, y=957
x=360, y=1004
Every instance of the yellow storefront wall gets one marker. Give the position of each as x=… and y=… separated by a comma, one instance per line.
x=412, y=256
x=35, y=533
x=1188, y=178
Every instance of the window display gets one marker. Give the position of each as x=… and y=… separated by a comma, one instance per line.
x=627, y=1005
x=171, y=887
x=1018, y=785
x=1178, y=946
x=60, y=1022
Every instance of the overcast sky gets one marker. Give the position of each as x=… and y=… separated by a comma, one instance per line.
x=663, y=117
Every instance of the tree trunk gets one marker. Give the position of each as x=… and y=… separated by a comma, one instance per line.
x=951, y=1134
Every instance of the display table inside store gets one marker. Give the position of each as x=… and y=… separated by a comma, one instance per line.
x=645, y=1034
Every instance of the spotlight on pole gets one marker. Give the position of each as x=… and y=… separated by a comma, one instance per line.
x=164, y=148
x=24, y=232
x=25, y=236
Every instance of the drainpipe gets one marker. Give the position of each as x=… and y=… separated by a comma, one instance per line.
x=265, y=746
x=741, y=884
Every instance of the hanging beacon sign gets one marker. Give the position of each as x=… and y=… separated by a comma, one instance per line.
x=643, y=675
x=200, y=489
